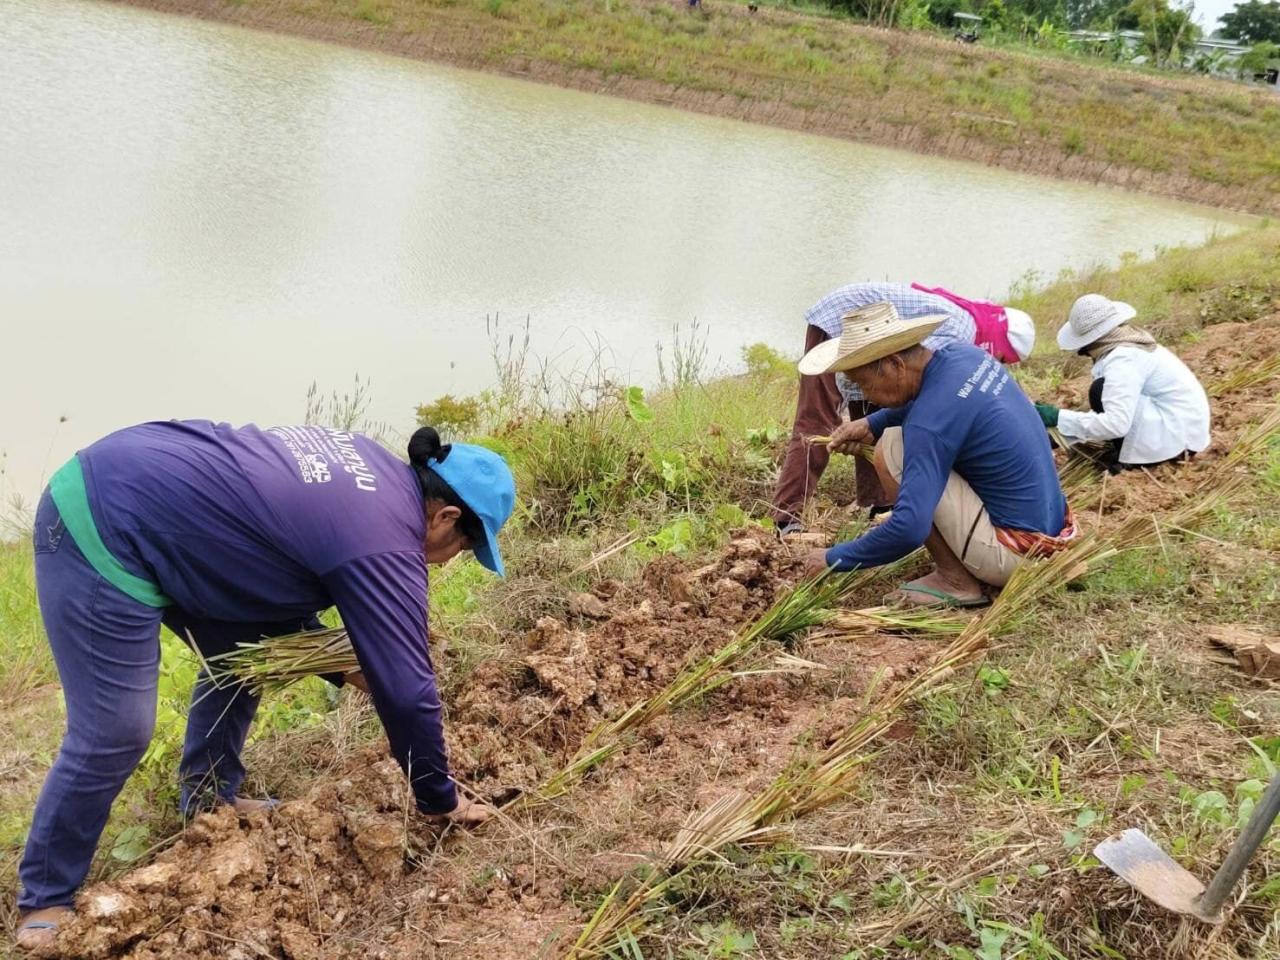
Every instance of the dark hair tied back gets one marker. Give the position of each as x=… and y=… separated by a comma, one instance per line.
x=425, y=445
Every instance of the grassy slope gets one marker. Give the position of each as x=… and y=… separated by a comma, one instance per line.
x=1098, y=707
x=1186, y=137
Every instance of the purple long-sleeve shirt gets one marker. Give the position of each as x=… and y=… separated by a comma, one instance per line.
x=243, y=524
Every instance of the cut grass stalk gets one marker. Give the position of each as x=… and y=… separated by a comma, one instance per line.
x=872, y=620
x=1248, y=374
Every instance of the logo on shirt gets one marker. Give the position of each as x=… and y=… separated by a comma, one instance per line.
x=321, y=451
x=318, y=467
x=983, y=377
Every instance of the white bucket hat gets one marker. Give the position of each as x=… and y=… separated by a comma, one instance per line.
x=1021, y=332
x=868, y=334
x=1092, y=316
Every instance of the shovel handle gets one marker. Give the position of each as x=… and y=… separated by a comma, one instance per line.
x=1224, y=881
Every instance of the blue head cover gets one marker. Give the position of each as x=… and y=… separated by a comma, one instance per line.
x=483, y=481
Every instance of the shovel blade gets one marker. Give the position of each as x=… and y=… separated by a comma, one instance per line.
x=1132, y=856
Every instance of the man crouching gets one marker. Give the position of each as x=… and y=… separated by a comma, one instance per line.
x=959, y=448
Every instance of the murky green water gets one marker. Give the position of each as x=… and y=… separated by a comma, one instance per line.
x=198, y=220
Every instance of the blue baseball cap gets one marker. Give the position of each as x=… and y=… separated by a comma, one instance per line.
x=483, y=481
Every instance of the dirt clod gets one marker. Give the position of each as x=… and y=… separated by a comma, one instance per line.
x=588, y=606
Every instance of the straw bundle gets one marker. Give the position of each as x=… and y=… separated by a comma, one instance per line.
x=1248, y=374
x=866, y=451
x=873, y=620
x=272, y=664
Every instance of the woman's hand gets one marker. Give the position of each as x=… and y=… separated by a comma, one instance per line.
x=468, y=813
x=850, y=438
x=815, y=562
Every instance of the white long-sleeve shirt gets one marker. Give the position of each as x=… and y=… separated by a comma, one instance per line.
x=1151, y=400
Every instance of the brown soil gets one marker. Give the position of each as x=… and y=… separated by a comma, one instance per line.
x=936, y=130
x=307, y=880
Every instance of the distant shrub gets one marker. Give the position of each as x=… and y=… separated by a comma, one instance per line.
x=452, y=416
x=766, y=363
x=372, y=12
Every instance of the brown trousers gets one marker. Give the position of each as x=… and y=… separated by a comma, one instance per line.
x=818, y=414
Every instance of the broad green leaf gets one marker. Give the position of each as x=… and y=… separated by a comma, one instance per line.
x=130, y=844
x=637, y=409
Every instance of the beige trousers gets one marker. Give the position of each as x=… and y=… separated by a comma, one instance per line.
x=962, y=520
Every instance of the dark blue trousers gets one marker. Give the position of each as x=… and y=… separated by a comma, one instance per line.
x=107, y=649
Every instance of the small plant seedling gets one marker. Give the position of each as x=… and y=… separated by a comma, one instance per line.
x=1131, y=785
x=994, y=679
x=637, y=409
x=1210, y=806
x=131, y=843
x=1071, y=839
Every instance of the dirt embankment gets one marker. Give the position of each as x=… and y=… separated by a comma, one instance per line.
x=349, y=871
x=907, y=119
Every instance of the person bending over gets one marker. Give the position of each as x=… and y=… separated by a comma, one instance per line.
x=229, y=535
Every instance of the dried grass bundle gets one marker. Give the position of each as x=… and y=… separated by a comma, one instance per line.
x=272, y=664
x=1245, y=375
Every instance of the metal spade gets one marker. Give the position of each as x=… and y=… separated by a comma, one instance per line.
x=1153, y=873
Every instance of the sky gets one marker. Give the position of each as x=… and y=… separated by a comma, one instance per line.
x=1208, y=12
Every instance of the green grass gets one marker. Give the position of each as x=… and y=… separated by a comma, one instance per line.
x=1184, y=136
x=1180, y=290
x=25, y=662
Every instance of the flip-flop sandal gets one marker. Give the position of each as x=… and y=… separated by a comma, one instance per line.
x=33, y=925
x=945, y=600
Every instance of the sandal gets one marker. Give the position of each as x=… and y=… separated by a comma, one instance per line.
x=33, y=943
x=944, y=599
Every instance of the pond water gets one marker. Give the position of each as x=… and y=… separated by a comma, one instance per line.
x=201, y=221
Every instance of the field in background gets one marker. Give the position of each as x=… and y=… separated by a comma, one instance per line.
x=970, y=835
x=1192, y=138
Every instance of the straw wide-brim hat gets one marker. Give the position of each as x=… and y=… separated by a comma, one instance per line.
x=867, y=334
x=1091, y=317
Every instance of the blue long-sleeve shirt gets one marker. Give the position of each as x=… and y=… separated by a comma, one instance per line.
x=970, y=416
x=243, y=524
